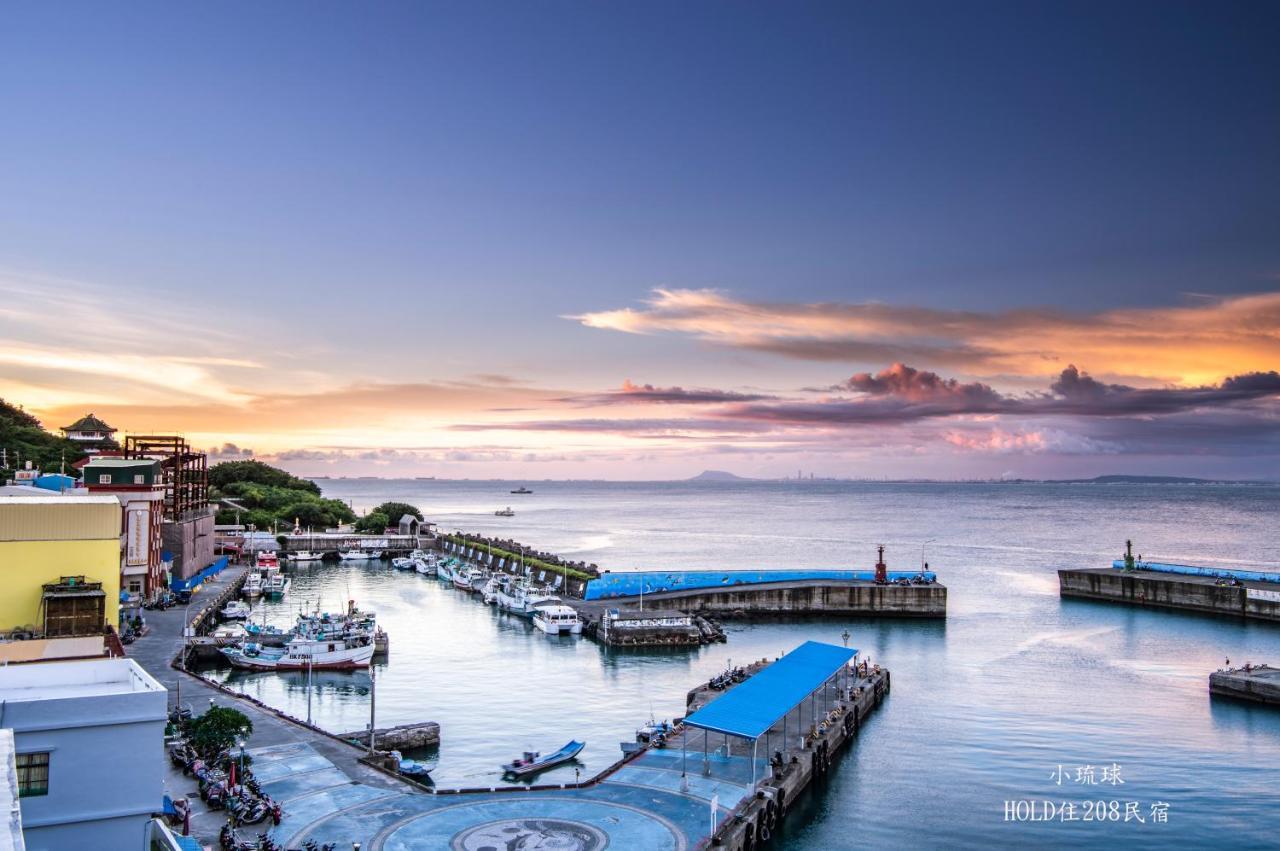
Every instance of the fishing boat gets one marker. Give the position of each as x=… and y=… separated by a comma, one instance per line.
x=410, y=767
x=402, y=563
x=236, y=610
x=533, y=762
x=305, y=555
x=557, y=620
x=303, y=652
x=230, y=631
x=519, y=597
x=355, y=555
x=426, y=565
x=444, y=569
x=504, y=512
x=478, y=580
x=463, y=576
x=254, y=584
x=489, y=591
x=522, y=489
x=277, y=585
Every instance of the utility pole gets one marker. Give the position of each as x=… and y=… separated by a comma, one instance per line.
x=373, y=702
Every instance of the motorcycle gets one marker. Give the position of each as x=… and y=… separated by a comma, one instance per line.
x=231, y=841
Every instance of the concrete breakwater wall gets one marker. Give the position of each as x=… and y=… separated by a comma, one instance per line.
x=1259, y=683
x=806, y=598
x=1254, y=600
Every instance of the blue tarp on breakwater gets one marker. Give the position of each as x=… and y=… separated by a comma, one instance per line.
x=656, y=581
x=187, y=584
x=1192, y=570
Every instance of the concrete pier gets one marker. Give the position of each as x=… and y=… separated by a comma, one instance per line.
x=795, y=766
x=1259, y=683
x=401, y=737
x=1246, y=599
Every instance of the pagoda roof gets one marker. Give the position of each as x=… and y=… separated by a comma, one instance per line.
x=89, y=422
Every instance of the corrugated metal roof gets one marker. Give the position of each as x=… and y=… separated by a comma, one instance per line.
x=749, y=709
x=64, y=518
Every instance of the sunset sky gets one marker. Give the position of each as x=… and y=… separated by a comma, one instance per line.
x=551, y=240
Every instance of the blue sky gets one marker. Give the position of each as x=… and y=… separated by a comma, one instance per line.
x=421, y=193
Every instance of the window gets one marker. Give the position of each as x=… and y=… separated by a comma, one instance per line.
x=139, y=479
x=135, y=586
x=74, y=615
x=104, y=478
x=33, y=774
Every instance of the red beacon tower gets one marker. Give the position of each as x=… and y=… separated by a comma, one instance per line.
x=882, y=572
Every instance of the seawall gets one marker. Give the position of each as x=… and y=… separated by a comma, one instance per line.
x=1253, y=600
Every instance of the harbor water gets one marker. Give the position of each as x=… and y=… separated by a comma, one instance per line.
x=1008, y=700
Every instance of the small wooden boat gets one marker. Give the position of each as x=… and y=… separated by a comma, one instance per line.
x=410, y=767
x=532, y=763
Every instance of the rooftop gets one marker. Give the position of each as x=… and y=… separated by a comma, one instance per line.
x=748, y=710
x=74, y=678
x=88, y=422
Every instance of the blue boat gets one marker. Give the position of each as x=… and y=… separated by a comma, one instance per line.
x=533, y=763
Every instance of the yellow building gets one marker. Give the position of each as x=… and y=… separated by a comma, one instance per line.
x=59, y=575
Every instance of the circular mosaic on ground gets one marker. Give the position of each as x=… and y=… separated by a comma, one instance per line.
x=536, y=822
x=531, y=834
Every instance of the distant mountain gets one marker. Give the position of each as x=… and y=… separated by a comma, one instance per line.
x=1154, y=480
x=717, y=476
x=1149, y=480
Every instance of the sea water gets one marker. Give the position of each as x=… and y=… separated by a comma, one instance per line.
x=999, y=715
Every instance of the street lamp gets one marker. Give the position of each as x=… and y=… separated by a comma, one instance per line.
x=923, y=563
x=240, y=742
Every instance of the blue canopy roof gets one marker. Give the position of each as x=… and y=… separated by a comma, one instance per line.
x=748, y=710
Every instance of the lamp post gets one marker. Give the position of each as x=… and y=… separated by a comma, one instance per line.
x=923, y=563
x=240, y=742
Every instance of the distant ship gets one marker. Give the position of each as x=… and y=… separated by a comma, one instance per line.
x=522, y=489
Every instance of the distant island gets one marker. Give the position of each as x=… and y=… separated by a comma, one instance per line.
x=717, y=476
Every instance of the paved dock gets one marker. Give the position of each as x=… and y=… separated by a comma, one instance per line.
x=1259, y=683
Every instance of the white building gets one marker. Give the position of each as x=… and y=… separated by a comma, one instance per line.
x=89, y=738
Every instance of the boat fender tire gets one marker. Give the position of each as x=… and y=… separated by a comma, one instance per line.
x=764, y=834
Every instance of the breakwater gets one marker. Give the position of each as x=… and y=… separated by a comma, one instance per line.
x=1258, y=683
x=1197, y=593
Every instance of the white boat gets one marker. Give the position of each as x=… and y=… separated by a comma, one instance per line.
x=305, y=555
x=234, y=631
x=478, y=579
x=303, y=652
x=489, y=591
x=236, y=610
x=359, y=555
x=425, y=566
x=504, y=512
x=557, y=620
x=444, y=569
x=254, y=584
x=277, y=585
x=422, y=554
x=521, y=598
x=464, y=576
x=402, y=563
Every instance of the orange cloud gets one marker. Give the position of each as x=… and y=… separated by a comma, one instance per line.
x=1195, y=344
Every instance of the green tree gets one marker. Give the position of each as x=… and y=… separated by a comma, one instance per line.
x=217, y=730
x=24, y=439
x=227, y=472
x=375, y=521
x=396, y=510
